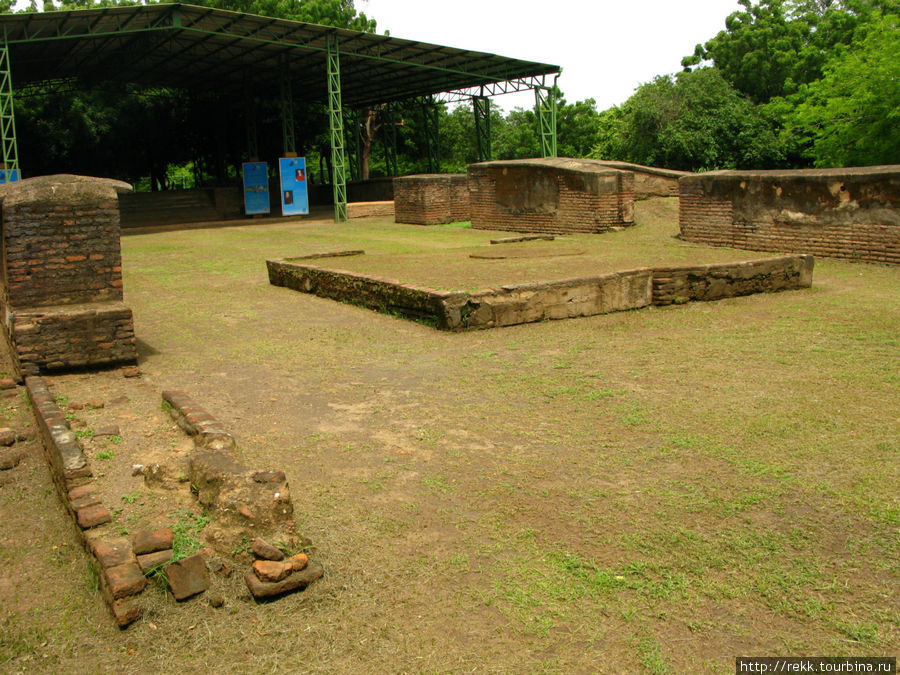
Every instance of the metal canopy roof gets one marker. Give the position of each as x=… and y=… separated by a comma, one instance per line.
x=192, y=47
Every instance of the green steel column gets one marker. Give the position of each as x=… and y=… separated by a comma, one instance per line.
x=389, y=137
x=431, y=113
x=8, y=118
x=287, y=111
x=545, y=107
x=481, y=105
x=336, y=124
x=356, y=152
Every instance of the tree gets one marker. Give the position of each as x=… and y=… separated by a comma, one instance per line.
x=693, y=121
x=771, y=48
x=851, y=116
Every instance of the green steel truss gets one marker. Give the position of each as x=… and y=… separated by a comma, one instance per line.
x=180, y=45
x=481, y=105
x=336, y=125
x=201, y=48
x=545, y=109
x=431, y=116
x=389, y=138
x=8, y=118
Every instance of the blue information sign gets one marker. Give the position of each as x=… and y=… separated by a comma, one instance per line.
x=256, y=188
x=9, y=176
x=294, y=195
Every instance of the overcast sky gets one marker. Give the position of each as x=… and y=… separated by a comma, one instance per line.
x=606, y=47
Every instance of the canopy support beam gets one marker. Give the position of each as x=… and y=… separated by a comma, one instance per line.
x=336, y=125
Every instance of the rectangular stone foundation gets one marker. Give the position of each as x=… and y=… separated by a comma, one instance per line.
x=569, y=298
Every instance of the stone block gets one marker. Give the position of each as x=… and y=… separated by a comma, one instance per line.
x=92, y=516
x=272, y=570
x=150, y=561
x=150, y=541
x=297, y=581
x=125, y=612
x=112, y=552
x=263, y=549
x=188, y=577
x=124, y=580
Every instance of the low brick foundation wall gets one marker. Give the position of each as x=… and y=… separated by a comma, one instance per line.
x=431, y=199
x=61, y=272
x=842, y=213
x=675, y=285
x=121, y=579
x=524, y=303
x=242, y=503
x=551, y=196
x=384, y=295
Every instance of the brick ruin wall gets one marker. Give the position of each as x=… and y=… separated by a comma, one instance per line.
x=61, y=270
x=842, y=213
x=431, y=199
x=525, y=303
x=649, y=181
x=61, y=254
x=541, y=196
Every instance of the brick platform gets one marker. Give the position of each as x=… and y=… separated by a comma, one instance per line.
x=552, y=196
x=62, y=274
x=843, y=213
x=431, y=199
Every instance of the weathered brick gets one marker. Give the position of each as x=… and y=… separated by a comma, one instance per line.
x=112, y=552
x=92, y=516
x=188, y=577
x=124, y=580
x=150, y=541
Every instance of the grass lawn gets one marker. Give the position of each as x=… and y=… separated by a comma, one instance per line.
x=650, y=491
x=468, y=262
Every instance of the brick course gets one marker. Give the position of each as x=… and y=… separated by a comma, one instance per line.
x=842, y=213
x=550, y=196
x=61, y=270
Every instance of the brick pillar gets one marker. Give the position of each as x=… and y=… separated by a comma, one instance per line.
x=61, y=274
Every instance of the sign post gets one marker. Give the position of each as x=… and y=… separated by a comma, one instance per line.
x=256, y=188
x=294, y=193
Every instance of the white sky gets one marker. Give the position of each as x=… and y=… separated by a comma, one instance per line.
x=606, y=47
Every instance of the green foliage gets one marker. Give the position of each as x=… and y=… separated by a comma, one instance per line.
x=770, y=48
x=695, y=120
x=851, y=116
x=186, y=530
